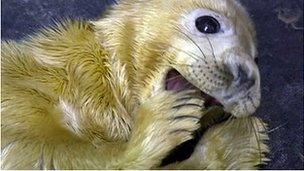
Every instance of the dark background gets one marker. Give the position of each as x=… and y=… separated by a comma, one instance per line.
x=280, y=60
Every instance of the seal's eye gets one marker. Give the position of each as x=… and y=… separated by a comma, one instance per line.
x=207, y=25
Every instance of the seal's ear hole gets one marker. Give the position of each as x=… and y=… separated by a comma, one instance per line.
x=207, y=24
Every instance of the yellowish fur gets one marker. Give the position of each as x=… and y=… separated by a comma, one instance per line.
x=89, y=95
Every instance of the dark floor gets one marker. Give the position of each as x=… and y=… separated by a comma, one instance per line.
x=281, y=60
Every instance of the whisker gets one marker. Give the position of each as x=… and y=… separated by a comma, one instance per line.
x=214, y=57
x=194, y=56
x=176, y=63
x=191, y=54
x=301, y=156
x=190, y=65
x=177, y=29
x=187, y=84
x=172, y=78
x=204, y=55
x=199, y=66
x=212, y=49
x=276, y=128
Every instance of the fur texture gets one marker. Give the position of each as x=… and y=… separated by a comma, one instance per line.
x=89, y=95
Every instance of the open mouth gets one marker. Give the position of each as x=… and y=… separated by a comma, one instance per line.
x=213, y=114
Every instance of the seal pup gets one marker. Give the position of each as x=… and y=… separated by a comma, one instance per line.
x=126, y=91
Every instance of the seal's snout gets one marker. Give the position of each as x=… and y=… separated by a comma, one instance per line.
x=241, y=97
x=244, y=78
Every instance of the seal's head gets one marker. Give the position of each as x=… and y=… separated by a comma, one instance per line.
x=212, y=45
x=214, y=49
x=171, y=44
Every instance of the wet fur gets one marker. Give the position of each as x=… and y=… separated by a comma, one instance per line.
x=85, y=95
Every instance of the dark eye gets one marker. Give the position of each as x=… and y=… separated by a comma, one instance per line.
x=207, y=24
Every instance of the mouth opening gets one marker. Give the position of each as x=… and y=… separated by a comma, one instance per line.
x=176, y=82
x=213, y=114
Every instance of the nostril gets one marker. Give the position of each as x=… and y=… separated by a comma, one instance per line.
x=256, y=60
x=242, y=78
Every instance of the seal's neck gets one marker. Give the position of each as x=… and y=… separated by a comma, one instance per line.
x=142, y=56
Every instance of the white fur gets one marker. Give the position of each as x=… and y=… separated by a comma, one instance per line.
x=70, y=116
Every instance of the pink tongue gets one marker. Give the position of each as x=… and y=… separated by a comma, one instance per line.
x=177, y=82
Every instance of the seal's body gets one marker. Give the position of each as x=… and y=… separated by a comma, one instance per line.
x=96, y=95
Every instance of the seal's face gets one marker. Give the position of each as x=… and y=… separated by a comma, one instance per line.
x=214, y=51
